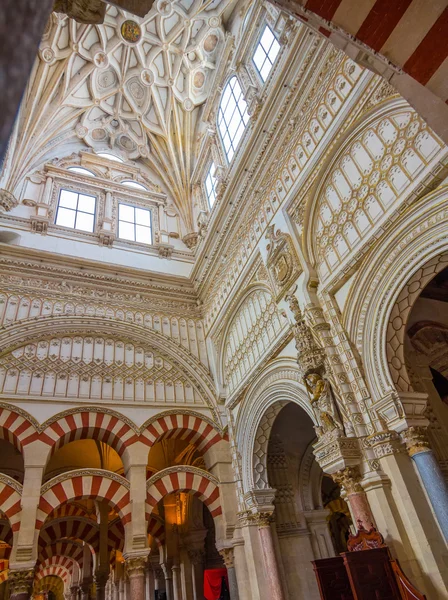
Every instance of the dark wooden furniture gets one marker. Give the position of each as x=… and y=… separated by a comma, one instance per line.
x=366, y=572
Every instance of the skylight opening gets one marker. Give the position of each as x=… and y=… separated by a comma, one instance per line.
x=266, y=53
x=210, y=185
x=135, y=185
x=134, y=224
x=81, y=171
x=232, y=116
x=110, y=156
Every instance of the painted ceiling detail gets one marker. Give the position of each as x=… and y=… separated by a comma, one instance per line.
x=131, y=85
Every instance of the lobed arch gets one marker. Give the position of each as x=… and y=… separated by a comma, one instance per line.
x=186, y=479
x=83, y=483
x=378, y=166
x=279, y=384
x=15, y=335
x=388, y=284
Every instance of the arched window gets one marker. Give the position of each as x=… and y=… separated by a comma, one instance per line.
x=135, y=185
x=110, y=156
x=232, y=116
x=81, y=171
x=210, y=185
x=266, y=53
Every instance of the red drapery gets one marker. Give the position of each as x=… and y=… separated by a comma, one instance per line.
x=212, y=583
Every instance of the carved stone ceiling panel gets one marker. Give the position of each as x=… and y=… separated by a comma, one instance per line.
x=133, y=84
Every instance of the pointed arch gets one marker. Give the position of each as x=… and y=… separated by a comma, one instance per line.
x=98, y=484
x=185, y=479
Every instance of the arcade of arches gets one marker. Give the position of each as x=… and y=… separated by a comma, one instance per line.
x=223, y=306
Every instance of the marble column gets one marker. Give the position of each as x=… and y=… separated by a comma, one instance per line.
x=229, y=561
x=85, y=590
x=116, y=590
x=149, y=582
x=135, y=567
x=197, y=573
x=168, y=580
x=431, y=476
x=101, y=578
x=349, y=479
x=271, y=567
x=122, y=589
x=20, y=584
x=175, y=569
x=74, y=592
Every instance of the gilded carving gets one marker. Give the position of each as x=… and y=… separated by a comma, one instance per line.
x=416, y=439
x=21, y=582
x=349, y=479
x=282, y=262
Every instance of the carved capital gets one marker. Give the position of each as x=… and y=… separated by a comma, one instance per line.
x=261, y=519
x=7, y=201
x=21, y=582
x=349, y=479
x=165, y=250
x=196, y=556
x=135, y=566
x=191, y=240
x=416, y=439
x=228, y=557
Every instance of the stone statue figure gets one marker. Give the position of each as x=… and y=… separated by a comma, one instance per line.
x=323, y=404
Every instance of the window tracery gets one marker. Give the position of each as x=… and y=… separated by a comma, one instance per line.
x=210, y=185
x=232, y=116
x=266, y=53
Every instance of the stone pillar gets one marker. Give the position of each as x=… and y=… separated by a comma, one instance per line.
x=101, y=578
x=116, y=590
x=135, y=567
x=175, y=569
x=20, y=584
x=168, y=580
x=272, y=571
x=122, y=589
x=85, y=590
x=229, y=561
x=159, y=578
x=349, y=479
x=149, y=582
x=197, y=573
x=418, y=447
x=74, y=592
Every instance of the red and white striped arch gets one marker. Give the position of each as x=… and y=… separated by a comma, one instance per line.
x=10, y=501
x=410, y=33
x=16, y=428
x=73, y=509
x=5, y=531
x=185, y=479
x=156, y=528
x=99, y=426
x=114, y=490
x=61, y=567
x=70, y=528
x=115, y=535
x=67, y=548
x=190, y=427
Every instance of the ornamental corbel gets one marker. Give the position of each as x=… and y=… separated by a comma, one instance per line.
x=165, y=250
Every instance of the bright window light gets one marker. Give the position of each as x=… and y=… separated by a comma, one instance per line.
x=266, y=53
x=134, y=224
x=232, y=116
x=76, y=211
x=81, y=171
x=110, y=156
x=135, y=185
x=210, y=185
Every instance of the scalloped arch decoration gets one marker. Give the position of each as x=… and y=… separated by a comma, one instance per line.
x=375, y=171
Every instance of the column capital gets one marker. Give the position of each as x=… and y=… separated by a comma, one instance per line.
x=228, y=557
x=196, y=556
x=416, y=440
x=21, y=582
x=136, y=565
x=260, y=500
x=349, y=479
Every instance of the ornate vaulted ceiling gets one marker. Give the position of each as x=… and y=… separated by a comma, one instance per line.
x=132, y=85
